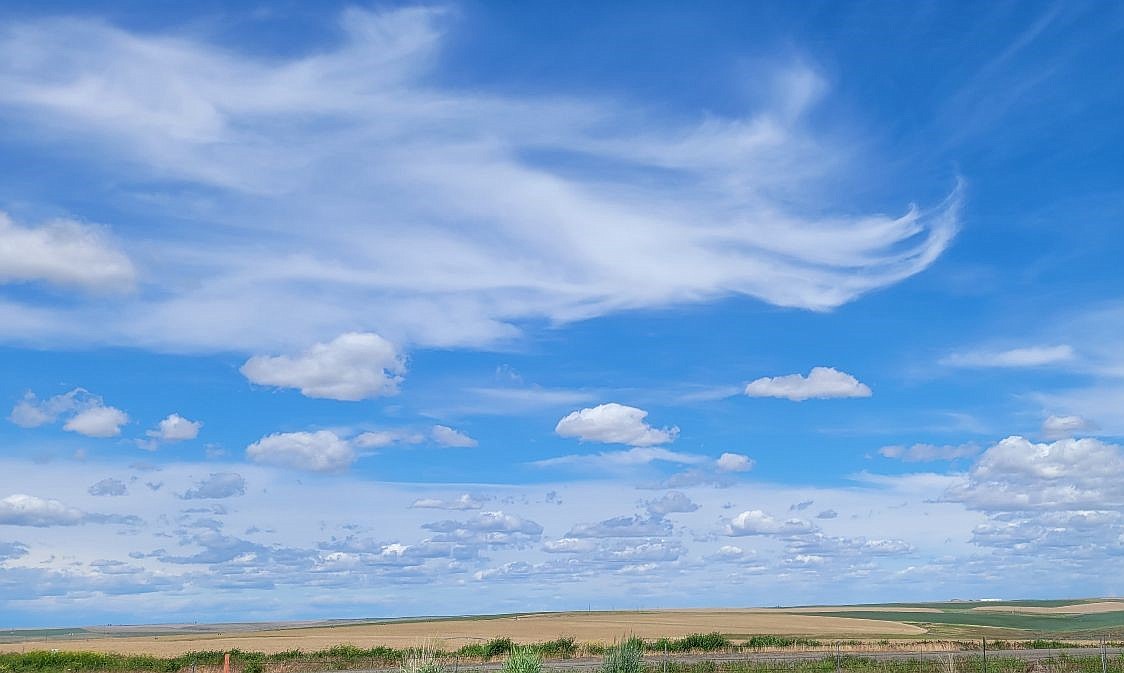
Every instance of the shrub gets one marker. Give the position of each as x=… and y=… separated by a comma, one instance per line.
x=421, y=660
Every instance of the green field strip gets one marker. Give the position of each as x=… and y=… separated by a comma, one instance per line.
x=1022, y=622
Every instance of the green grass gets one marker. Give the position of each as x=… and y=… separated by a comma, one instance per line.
x=624, y=657
x=1034, y=624
x=523, y=660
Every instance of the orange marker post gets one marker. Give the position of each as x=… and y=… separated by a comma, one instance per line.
x=226, y=663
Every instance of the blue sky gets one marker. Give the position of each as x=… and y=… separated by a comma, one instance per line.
x=361, y=310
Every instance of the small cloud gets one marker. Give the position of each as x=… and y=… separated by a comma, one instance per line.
x=820, y=383
x=448, y=437
x=757, y=522
x=97, y=422
x=217, y=485
x=614, y=423
x=734, y=462
x=827, y=514
x=86, y=414
x=672, y=502
x=353, y=366
x=109, y=486
x=321, y=451
x=569, y=545
x=64, y=253
x=801, y=506
x=1061, y=427
x=1031, y=356
x=462, y=502
x=175, y=428
x=28, y=510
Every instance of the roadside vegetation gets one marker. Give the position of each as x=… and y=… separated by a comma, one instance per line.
x=633, y=655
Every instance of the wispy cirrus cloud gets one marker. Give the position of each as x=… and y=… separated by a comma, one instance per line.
x=304, y=230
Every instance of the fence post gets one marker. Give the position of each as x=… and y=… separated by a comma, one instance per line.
x=1104, y=656
x=984, y=641
x=226, y=663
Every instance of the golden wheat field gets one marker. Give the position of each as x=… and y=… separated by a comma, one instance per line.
x=452, y=633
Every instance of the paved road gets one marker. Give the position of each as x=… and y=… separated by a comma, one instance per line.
x=781, y=658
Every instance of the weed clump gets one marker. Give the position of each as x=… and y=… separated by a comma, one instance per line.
x=624, y=657
x=523, y=660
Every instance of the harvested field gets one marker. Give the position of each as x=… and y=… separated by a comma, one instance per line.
x=453, y=633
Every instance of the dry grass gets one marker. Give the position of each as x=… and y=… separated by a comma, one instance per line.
x=602, y=627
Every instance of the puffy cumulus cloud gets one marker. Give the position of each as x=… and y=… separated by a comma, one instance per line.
x=757, y=522
x=63, y=253
x=820, y=383
x=734, y=462
x=672, y=502
x=320, y=451
x=108, y=486
x=614, y=423
x=751, y=212
x=1068, y=535
x=175, y=428
x=353, y=366
x=217, y=485
x=927, y=453
x=640, y=455
x=1030, y=356
x=1068, y=474
x=462, y=502
x=97, y=422
x=443, y=435
x=1060, y=427
x=85, y=413
x=28, y=510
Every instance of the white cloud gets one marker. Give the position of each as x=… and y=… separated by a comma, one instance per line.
x=462, y=502
x=820, y=383
x=757, y=522
x=86, y=413
x=1031, y=356
x=28, y=510
x=446, y=436
x=176, y=428
x=321, y=451
x=734, y=462
x=64, y=253
x=351, y=367
x=97, y=421
x=569, y=545
x=640, y=455
x=924, y=453
x=614, y=423
x=1060, y=427
x=217, y=485
x=108, y=486
x=281, y=143
x=377, y=439
x=1071, y=474
x=672, y=502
